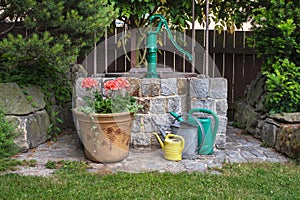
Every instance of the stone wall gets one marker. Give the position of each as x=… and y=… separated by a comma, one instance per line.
x=161, y=96
x=279, y=131
x=26, y=112
x=282, y=132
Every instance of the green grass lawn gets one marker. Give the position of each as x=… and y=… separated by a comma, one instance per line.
x=237, y=181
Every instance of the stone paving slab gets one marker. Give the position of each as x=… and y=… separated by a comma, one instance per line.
x=239, y=148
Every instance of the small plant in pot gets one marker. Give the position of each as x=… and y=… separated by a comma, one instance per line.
x=114, y=97
x=106, y=119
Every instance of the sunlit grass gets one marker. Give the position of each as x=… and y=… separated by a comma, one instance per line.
x=236, y=181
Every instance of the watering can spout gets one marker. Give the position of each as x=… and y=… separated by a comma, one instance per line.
x=159, y=140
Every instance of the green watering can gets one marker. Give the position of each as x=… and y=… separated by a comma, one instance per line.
x=207, y=147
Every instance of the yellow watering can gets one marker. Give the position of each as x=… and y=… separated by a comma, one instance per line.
x=172, y=146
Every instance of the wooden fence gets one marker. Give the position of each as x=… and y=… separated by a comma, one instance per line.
x=230, y=56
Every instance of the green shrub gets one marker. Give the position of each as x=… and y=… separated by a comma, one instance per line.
x=283, y=86
x=277, y=39
x=7, y=136
x=43, y=38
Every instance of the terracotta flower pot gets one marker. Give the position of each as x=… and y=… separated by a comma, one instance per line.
x=106, y=137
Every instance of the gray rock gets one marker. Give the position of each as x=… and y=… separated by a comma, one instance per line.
x=15, y=102
x=288, y=140
x=32, y=129
x=256, y=90
x=246, y=116
x=269, y=132
x=37, y=97
x=287, y=117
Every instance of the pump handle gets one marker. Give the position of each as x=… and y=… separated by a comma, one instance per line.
x=164, y=21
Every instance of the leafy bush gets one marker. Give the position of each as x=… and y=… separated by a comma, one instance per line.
x=7, y=136
x=43, y=38
x=283, y=86
x=277, y=40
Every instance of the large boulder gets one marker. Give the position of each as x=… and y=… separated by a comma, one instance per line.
x=251, y=109
x=32, y=129
x=26, y=109
x=15, y=102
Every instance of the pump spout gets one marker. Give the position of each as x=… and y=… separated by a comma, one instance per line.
x=152, y=47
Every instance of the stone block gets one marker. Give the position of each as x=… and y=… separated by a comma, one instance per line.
x=138, y=123
x=269, y=132
x=158, y=105
x=150, y=87
x=222, y=124
x=33, y=129
x=288, y=140
x=148, y=123
x=173, y=104
x=199, y=88
x=185, y=104
x=220, y=142
x=218, y=88
x=221, y=107
x=146, y=105
x=168, y=86
x=141, y=140
x=163, y=120
x=182, y=85
x=203, y=103
x=135, y=84
x=287, y=117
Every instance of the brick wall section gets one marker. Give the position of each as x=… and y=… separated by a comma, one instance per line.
x=161, y=96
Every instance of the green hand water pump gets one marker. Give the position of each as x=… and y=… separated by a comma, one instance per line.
x=152, y=47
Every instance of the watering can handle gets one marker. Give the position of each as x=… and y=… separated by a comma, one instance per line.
x=179, y=137
x=199, y=124
x=204, y=110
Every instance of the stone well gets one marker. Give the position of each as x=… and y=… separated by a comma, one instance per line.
x=161, y=96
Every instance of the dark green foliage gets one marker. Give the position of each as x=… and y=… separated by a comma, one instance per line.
x=283, y=87
x=277, y=40
x=7, y=136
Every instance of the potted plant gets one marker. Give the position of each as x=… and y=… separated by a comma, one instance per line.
x=106, y=118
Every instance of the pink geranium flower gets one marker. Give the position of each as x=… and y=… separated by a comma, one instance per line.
x=89, y=83
x=122, y=83
x=111, y=85
x=114, y=99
